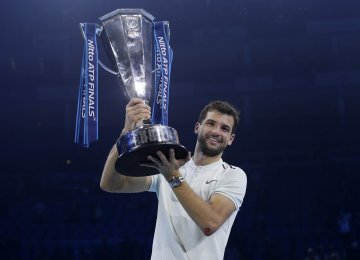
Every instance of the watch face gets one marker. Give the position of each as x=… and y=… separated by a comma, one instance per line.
x=176, y=181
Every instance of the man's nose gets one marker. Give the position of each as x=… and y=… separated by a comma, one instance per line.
x=216, y=130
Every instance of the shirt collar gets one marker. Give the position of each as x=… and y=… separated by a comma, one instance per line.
x=206, y=167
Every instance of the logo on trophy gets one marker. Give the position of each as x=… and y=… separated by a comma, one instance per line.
x=140, y=56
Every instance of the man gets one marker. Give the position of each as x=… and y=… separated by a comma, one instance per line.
x=199, y=197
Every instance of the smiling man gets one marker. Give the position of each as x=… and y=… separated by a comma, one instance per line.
x=199, y=197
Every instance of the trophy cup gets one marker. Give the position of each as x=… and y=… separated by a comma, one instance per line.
x=143, y=62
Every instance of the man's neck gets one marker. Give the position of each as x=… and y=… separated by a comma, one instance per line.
x=201, y=159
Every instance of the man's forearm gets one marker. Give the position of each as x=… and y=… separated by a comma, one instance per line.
x=200, y=211
x=110, y=179
x=113, y=181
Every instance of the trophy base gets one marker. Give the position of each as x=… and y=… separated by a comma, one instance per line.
x=129, y=163
x=135, y=146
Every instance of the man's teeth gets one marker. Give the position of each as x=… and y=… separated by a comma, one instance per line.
x=214, y=139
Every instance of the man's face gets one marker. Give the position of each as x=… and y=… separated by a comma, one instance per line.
x=214, y=133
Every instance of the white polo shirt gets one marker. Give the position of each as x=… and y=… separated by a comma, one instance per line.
x=176, y=234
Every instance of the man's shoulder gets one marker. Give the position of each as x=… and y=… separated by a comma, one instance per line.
x=233, y=171
x=232, y=168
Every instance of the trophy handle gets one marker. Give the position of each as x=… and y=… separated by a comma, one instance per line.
x=99, y=29
x=108, y=69
x=98, y=32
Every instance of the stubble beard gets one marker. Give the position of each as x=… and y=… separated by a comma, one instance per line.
x=206, y=150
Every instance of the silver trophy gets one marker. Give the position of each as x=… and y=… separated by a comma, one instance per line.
x=128, y=38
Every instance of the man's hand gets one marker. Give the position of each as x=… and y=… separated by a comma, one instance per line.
x=167, y=167
x=136, y=110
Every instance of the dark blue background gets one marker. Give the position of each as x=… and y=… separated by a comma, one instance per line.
x=291, y=67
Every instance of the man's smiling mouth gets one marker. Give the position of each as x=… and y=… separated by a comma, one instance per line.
x=213, y=139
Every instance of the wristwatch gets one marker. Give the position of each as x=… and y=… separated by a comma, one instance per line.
x=175, y=181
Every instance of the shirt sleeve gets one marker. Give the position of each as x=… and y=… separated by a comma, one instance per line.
x=233, y=185
x=154, y=187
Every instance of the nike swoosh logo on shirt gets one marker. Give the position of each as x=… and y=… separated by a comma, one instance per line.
x=208, y=182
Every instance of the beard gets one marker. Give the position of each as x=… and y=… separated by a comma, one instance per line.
x=206, y=150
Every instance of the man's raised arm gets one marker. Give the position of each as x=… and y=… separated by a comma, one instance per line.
x=111, y=180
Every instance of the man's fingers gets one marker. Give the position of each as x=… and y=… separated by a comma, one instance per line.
x=140, y=116
x=149, y=165
x=154, y=160
x=136, y=106
x=141, y=108
x=137, y=112
x=135, y=101
x=162, y=157
x=172, y=155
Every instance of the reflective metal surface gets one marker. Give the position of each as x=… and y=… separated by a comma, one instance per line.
x=128, y=38
x=147, y=135
x=136, y=145
x=128, y=41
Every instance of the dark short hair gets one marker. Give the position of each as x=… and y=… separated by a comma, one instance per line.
x=224, y=108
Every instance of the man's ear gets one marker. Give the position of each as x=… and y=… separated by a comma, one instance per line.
x=196, y=129
x=231, y=140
